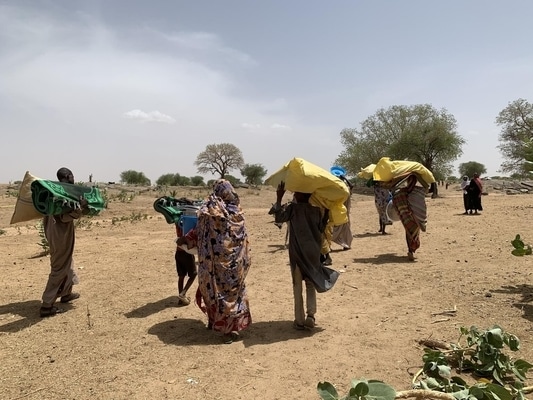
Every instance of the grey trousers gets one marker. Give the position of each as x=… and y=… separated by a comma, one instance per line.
x=59, y=283
x=310, y=299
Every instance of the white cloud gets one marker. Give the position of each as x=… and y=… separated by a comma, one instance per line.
x=152, y=116
x=205, y=42
x=280, y=127
x=250, y=127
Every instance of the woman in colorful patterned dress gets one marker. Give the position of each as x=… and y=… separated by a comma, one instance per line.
x=409, y=201
x=223, y=261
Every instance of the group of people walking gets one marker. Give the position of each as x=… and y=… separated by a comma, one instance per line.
x=223, y=254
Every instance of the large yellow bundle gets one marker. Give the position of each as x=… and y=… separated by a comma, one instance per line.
x=327, y=190
x=367, y=172
x=387, y=170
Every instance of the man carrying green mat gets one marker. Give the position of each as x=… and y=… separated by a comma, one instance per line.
x=58, y=201
x=55, y=198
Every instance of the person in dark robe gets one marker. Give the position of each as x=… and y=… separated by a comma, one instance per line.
x=306, y=229
x=475, y=190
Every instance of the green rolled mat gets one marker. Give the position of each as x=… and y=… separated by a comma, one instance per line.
x=54, y=198
x=172, y=208
x=169, y=207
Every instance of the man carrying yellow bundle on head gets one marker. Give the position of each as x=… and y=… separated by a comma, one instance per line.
x=319, y=197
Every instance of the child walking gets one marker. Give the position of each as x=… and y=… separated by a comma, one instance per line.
x=306, y=227
x=185, y=266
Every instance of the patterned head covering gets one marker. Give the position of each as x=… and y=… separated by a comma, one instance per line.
x=223, y=190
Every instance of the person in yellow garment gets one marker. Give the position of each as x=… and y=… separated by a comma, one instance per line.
x=342, y=234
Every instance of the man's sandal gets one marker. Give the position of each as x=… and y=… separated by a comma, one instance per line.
x=299, y=327
x=183, y=300
x=50, y=311
x=69, y=297
x=309, y=322
x=231, y=337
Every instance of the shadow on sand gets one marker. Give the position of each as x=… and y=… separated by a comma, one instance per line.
x=384, y=259
x=189, y=332
x=155, y=307
x=28, y=310
x=524, y=304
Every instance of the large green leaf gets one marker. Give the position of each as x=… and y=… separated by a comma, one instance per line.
x=520, y=368
x=327, y=391
x=495, y=337
x=513, y=342
x=461, y=394
x=361, y=389
x=444, y=371
x=431, y=384
x=518, y=252
x=477, y=392
x=380, y=391
x=517, y=242
x=499, y=392
x=497, y=377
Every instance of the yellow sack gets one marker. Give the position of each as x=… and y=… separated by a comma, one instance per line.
x=367, y=172
x=327, y=190
x=387, y=170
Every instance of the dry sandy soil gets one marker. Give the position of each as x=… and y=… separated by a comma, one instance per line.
x=126, y=337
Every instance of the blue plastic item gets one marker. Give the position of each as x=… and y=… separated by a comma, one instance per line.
x=187, y=222
x=337, y=171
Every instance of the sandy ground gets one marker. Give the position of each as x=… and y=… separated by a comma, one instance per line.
x=126, y=337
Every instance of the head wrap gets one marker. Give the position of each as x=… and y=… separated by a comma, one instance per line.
x=225, y=192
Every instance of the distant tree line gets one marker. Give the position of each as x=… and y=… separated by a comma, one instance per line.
x=418, y=133
x=217, y=159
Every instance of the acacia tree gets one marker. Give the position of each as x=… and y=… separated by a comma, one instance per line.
x=516, y=122
x=132, y=177
x=253, y=173
x=470, y=168
x=219, y=158
x=417, y=133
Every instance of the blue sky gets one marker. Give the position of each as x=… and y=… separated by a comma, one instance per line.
x=106, y=86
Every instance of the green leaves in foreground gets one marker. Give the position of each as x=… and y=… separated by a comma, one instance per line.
x=520, y=248
x=359, y=390
x=499, y=376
